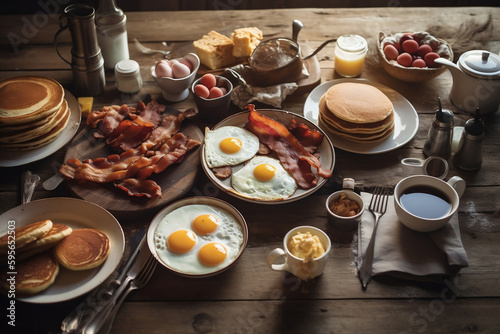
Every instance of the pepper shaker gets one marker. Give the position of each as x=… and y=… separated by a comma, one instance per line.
x=469, y=153
x=440, y=135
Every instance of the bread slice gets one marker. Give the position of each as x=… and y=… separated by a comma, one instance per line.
x=215, y=50
x=245, y=41
x=26, y=234
x=34, y=274
x=83, y=249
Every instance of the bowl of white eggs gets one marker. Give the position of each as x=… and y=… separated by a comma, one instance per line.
x=198, y=236
x=176, y=76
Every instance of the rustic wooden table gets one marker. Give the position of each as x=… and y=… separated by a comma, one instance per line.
x=250, y=298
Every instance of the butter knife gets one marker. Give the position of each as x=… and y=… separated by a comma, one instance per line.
x=99, y=299
x=95, y=324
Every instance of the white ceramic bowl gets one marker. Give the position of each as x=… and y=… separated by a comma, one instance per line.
x=344, y=223
x=176, y=90
x=189, y=201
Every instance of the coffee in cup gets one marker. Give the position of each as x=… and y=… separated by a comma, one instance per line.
x=425, y=203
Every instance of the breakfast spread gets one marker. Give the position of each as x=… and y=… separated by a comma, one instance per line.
x=305, y=246
x=43, y=245
x=364, y=120
x=217, y=51
x=33, y=112
x=198, y=238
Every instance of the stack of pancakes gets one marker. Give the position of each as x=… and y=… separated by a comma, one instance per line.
x=33, y=112
x=357, y=112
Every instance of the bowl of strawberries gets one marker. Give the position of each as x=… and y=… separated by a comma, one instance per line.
x=410, y=56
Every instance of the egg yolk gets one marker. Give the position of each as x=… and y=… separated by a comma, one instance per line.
x=230, y=145
x=264, y=172
x=181, y=241
x=212, y=254
x=205, y=224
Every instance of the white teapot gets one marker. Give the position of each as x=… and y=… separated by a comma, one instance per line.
x=476, y=81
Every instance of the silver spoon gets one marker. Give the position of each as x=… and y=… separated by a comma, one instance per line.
x=149, y=51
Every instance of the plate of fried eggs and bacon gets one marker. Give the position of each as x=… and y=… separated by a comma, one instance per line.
x=267, y=156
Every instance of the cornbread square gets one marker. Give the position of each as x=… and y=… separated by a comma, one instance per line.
x=245, y=40
x=215, y=50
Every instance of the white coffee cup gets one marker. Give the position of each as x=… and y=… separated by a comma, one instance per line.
x=452, y=191
x=304, y=270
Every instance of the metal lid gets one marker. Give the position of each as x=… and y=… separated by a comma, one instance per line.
x=481, y=64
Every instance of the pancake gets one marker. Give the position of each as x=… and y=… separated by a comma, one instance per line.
x=26, y=234
x=32, y=275
x=359, y=138
x=43, y=139
x=29, y=132
x=83, y=249
x=28, y=99
x=357, y=112
x=359, y=128
x=47, y=241
x=358, y=103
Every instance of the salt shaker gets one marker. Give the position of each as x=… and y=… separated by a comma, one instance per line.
x=128, y=76
x=440, y=135
x=469, y=153
x=111, y=25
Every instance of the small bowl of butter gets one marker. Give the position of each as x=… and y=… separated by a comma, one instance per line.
x=345, y=207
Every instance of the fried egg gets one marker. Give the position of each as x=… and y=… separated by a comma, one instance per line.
x=229, y=146
x=264, y=178
x=198, y=238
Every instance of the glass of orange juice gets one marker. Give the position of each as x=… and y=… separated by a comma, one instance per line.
x=350, y=52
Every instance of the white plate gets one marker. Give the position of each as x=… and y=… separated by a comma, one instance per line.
x=405, y=119
x=19, y=158
x=75, y=213
x=327, y=154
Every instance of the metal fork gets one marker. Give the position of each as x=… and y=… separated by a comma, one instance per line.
x=149, y=51
x=106, y=319
x=378, y=206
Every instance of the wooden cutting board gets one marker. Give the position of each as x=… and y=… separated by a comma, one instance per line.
x=175, y=181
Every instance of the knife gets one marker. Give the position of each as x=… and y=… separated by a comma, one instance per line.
x=99, y=319
x=95, y=302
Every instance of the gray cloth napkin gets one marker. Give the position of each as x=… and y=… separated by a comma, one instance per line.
x=402, y=252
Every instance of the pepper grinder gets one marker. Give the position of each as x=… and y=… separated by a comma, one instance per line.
x=440, y=135
x=469, y=153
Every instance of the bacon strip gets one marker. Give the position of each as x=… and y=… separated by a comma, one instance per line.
x=130, y=133
x=309, y=138
x=111, y=117
x=137, y=162
x=169, y=125
x=302, y=165
x=139, y=187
